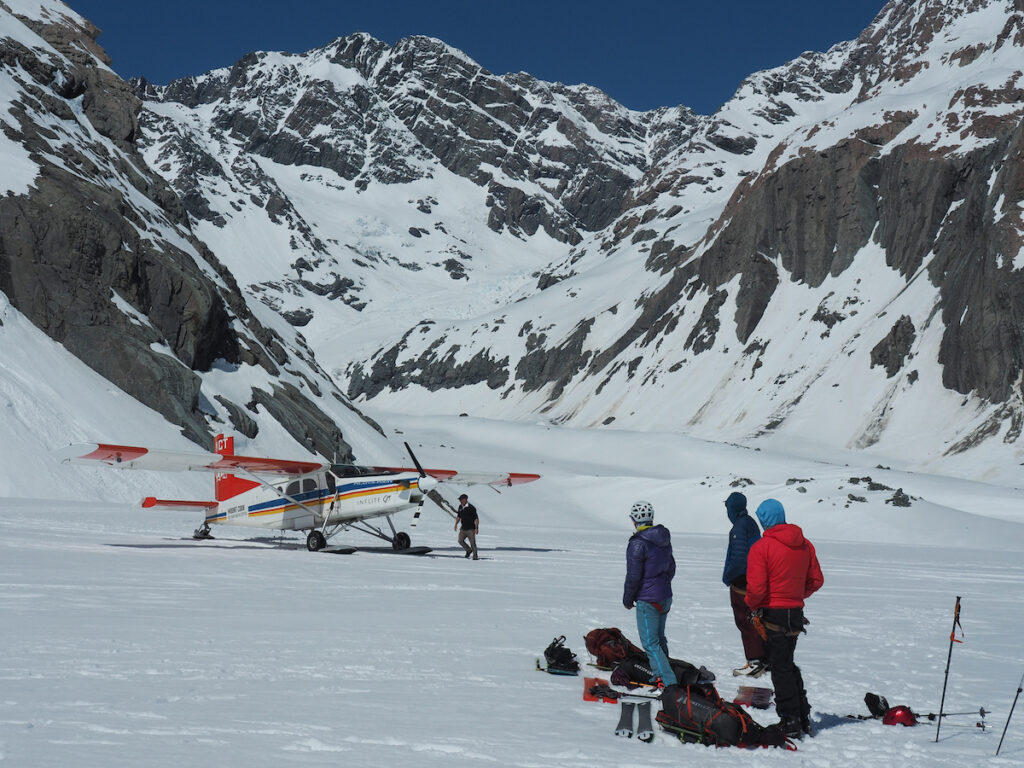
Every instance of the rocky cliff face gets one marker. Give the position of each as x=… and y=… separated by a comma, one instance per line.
x=828, y=171
x=551, y=157
x=97, y=251
x=840, y=244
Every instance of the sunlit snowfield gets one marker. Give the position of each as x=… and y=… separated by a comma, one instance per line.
x=125, y=643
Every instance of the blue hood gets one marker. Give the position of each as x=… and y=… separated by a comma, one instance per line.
x=735, y=506
x=770, y=512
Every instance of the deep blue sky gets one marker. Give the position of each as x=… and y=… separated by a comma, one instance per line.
x=642, y=53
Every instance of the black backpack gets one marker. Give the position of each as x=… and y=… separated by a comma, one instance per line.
x=560, y=660
x=632, y=672
x=697, y=714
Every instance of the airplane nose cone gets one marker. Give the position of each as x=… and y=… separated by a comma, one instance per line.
x=427, y=483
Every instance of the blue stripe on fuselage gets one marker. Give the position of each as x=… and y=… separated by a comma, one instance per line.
x=342, y=489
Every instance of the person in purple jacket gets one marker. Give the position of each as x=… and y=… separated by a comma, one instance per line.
x=649, y=571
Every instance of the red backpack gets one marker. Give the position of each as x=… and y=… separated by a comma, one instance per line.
x=609, y=646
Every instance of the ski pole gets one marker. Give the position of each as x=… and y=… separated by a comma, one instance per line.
x=949, y=656
x=982, y=713
x=1019, y=686
x=932, y=716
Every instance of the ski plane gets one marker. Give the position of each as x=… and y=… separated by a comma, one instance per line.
x=287, y=495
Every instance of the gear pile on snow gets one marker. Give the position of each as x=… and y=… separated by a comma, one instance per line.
x=901, y=714
x=692, y=710
x=879, y=708
x=629, y=664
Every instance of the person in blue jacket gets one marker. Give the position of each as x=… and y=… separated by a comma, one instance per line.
x=741, y=538
x=650, y=567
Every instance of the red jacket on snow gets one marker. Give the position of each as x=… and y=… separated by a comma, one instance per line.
x=782, y=569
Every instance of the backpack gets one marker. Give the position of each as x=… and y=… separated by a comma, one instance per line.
x=697, y=714
x=609, y=646
x=631, y=672
x=560, y=660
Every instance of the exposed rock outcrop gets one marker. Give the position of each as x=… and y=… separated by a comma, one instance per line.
x=99, y=252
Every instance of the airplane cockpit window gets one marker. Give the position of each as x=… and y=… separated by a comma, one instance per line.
x=292, y=488
x=309, y=484
x=332, y=485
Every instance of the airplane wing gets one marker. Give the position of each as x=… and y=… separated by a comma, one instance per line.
x=137, y=457
x=492, y=478
x=470, y=478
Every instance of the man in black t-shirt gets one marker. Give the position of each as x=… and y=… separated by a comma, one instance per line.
x=470, y=526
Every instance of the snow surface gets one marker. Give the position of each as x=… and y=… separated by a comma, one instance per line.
x=126, y=643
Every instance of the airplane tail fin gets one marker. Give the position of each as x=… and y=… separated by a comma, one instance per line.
x=226, y=485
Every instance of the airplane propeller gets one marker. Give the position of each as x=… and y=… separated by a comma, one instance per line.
x=431, y=482
x=428, y=485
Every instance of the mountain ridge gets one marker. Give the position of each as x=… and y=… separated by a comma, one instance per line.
x=100, y=255
x=836, y=245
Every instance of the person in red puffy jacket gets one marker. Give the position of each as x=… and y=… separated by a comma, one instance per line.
x=782, y=572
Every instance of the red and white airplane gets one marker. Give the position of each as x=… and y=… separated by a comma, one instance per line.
x=286, y=495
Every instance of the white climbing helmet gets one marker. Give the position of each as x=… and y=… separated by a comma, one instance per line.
x=642, y=513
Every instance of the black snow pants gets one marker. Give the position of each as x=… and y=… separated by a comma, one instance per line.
x=783, y=626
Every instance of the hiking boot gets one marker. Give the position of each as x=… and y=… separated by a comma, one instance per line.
x=753, y=668
x=792, y=727
x=468, y=554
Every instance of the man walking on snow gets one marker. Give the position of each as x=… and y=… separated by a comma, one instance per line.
x=470, y=521
x=782, y=571
x=649, y=571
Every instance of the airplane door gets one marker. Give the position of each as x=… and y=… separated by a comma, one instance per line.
x=332, y=490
